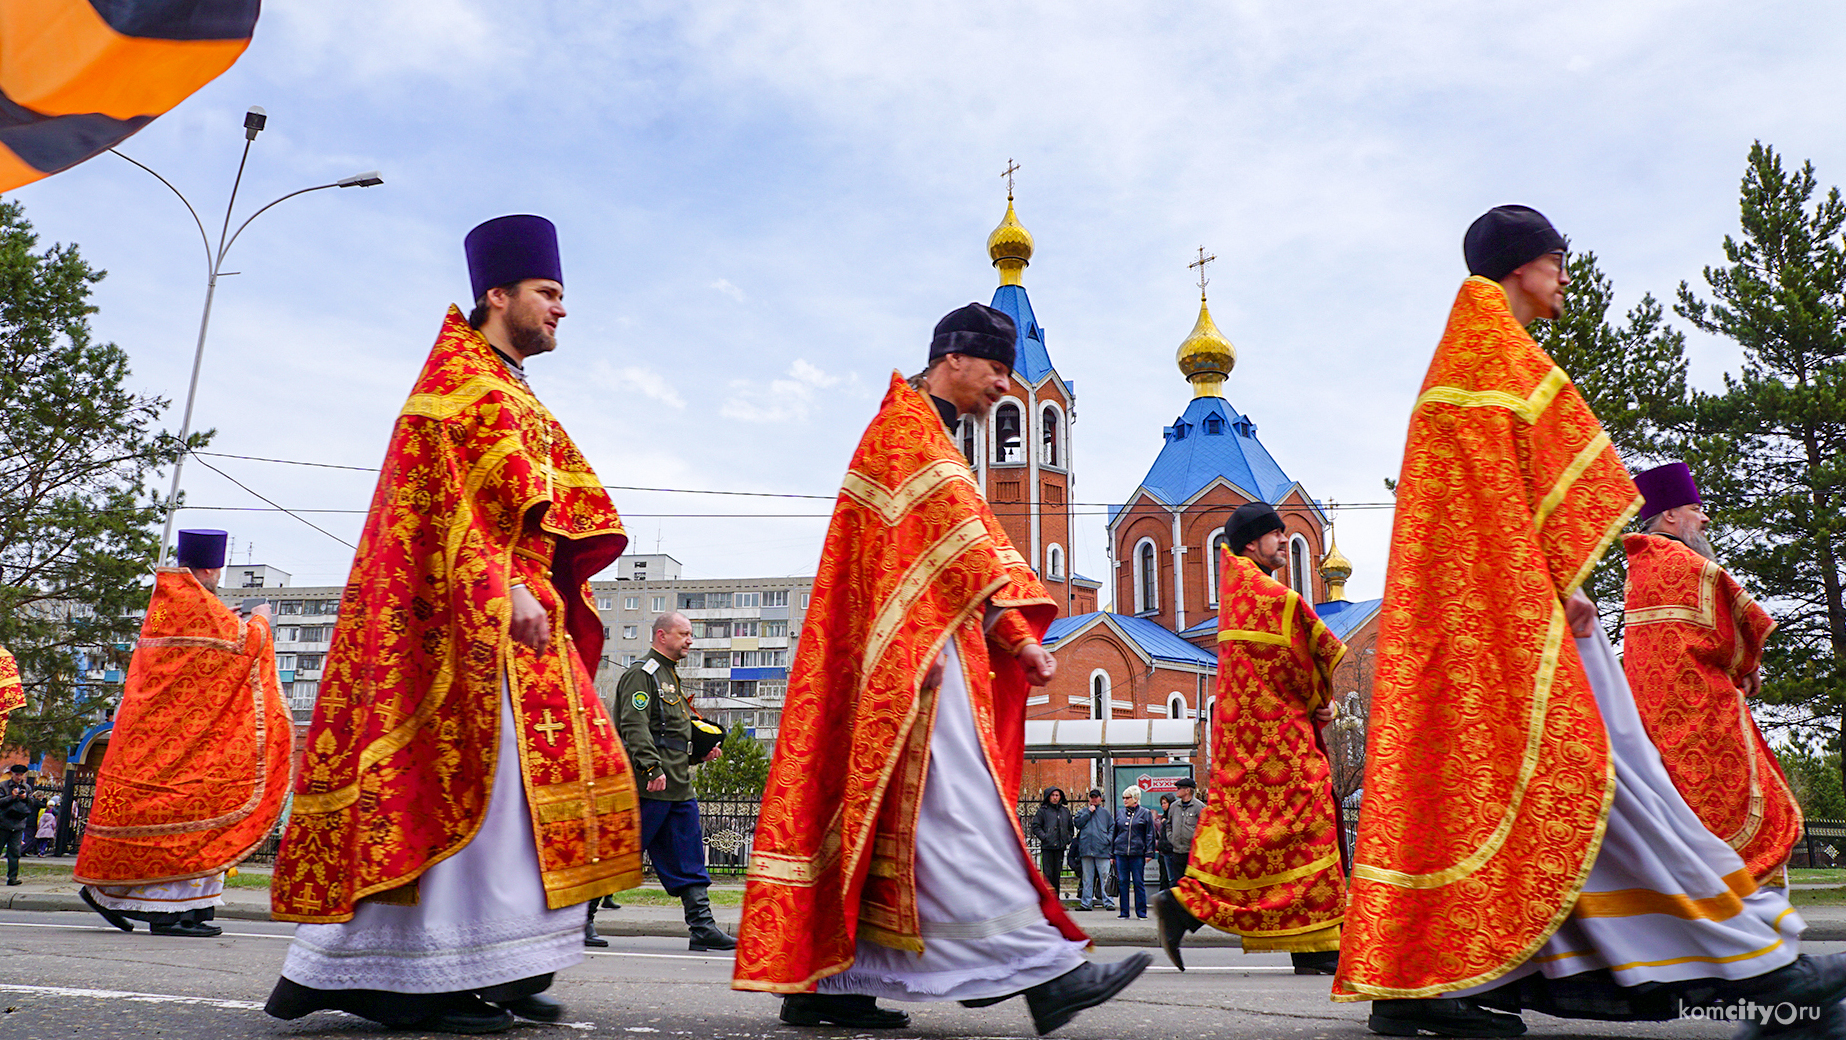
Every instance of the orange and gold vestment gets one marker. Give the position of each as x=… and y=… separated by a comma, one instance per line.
x=1691, y=635
x=197, y=765
x=1266, y=856
x=481, y=490
x=1488, y=776
x=913, y=557
x=12, y=692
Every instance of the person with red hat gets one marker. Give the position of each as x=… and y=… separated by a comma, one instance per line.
x=197, y=766
x=458, y=736
x=1692, y=648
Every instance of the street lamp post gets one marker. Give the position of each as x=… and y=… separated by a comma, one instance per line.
x=254, y=121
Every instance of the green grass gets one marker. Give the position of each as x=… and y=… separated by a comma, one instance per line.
x=1818, y=896
x=656, y=897
x=1817, y=875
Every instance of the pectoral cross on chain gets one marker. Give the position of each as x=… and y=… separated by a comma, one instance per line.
x=549, y=727
x=1200, y=264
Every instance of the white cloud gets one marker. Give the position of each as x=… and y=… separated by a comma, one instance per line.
x=628, y=379
x=785, y=400
x=724, y=286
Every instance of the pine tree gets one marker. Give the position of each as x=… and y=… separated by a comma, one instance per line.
x=1774, y=467
x=740, y=775
x=77, y=519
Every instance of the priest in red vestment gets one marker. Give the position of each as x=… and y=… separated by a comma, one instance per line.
x=12, y=692
x=464, y=791
x=197, y=766
x=1521, y=846
x=1265, y=861
x=1692, y=647
x=888, y=861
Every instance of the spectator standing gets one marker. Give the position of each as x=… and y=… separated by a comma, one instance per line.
x=17, y=803
x=47, y=833
x=1182, y=824
x=1163, y=849
x=1095, y=827
x=1051, y=825
x=1134, y=839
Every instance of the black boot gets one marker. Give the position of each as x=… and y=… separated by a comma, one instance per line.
x=109, y=915
x=1443, y=1016
x=839, y=1009
x=1172, y=921
x=706, y=935
x=590, y=938
x=1056, y=1002
x=525, y=998
x=1316, y=962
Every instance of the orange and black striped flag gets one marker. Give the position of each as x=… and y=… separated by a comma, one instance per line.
x=78, y=76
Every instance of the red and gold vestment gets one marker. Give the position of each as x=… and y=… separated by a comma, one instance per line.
x=1691, y=635
x=481, y=490
x=913, y=557
x=12, y=692
x=1487, y=774
x=1266, y=856
x=197, y=765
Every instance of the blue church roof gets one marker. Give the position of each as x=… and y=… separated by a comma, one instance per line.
x=1342, y=617
x=1031, y=360
x=1154, y=641
x=1211, y=440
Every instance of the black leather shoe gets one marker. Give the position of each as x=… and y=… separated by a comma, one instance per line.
x=194, y=929
x=468, y=1014
x=590, y=938
x=610, y=904
x=14, y=881
x=537, y=1007
x=1317, y=962
x=291, y=1000
x=1809, y=982
x=1443, y=1016
x=1830, y=1025
x=857, y=1012
x=1056, y=1002
x=711, y=940
x=108, y=915
x=1172, y=922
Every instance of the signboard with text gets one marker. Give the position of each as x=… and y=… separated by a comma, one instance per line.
x=1154, y=781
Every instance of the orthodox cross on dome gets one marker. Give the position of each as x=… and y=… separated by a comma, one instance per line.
x=1200, y=264
x=1011, y=168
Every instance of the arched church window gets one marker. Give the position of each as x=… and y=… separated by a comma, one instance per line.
x=1006, y=434
x=1054, y=562
x=1215, y=561
x=967, y=439
x=1050, y=419
x=1176, y=705
x=1147, y=582
x=1099, y=694
x=1299, y=578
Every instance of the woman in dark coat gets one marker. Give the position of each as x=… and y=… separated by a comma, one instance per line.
x=1051, y=825
x=1134, y=840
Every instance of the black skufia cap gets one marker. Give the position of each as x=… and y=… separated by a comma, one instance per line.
x=977, y=331
x=1505, y=238
x=1251, y=521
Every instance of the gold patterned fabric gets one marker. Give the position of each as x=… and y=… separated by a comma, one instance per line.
x=12, y=692
x=1487, y=775
x=1692, y=634
x=481, y=490
x=913, y=556
x=1266, y=856
x=197, y=765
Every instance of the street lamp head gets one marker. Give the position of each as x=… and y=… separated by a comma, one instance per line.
x=253, y=121
x=361, y=180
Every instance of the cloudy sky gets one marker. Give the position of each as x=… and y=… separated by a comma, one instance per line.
x=764, y=208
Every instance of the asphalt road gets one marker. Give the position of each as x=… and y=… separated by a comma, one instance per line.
x=67, y=976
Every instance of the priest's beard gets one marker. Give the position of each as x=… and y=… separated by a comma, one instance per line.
x=1698, y=543
x=530, y=338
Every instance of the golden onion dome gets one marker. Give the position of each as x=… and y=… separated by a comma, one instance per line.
x=1336, y=568
x=1206, y=357
x=1010, y=246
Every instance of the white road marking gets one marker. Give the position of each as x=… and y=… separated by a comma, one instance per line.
x=660, y=956
x=140, y=998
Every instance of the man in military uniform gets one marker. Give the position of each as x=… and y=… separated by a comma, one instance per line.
x=651, y=710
